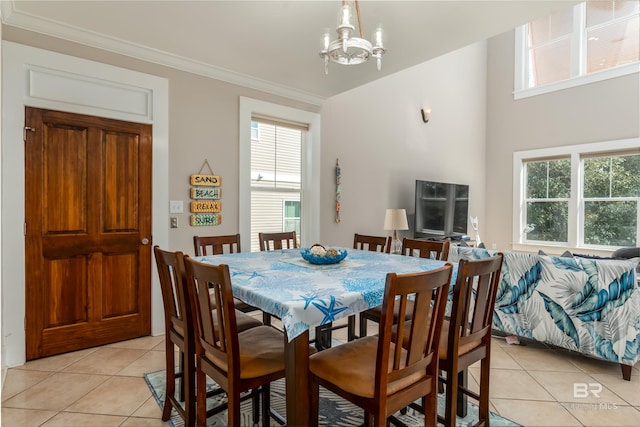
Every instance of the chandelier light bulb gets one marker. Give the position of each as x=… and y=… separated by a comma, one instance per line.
x=326, y=39
x=378, y=37
x=345, y=16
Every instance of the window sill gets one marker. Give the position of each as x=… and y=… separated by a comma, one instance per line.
x=620, y=71
x=559, y=250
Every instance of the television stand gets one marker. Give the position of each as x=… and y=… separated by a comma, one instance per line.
x=454, y=241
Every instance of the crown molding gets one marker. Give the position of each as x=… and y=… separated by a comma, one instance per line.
x=13, y=17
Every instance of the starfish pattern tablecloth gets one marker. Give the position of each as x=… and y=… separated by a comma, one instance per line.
x=305, y=295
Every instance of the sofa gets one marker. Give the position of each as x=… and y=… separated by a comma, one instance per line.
x=587, y=305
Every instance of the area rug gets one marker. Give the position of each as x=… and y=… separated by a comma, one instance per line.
x=334, y=411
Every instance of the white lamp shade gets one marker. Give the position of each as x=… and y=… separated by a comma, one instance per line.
x=396, y=219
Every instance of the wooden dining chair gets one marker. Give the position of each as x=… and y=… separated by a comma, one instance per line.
x=376, y=374
x=362, y=242
x=372, y=243
x=272, y=242
x=288, y=240
x=236, y=361
x=217, y=245
x=438, y=250
x=276, y=241
x=410, y=247
x=178, y=333
x=466, y=336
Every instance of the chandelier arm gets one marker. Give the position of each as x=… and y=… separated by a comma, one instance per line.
x=359, y=23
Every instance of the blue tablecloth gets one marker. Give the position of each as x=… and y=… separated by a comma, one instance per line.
x=304, y=295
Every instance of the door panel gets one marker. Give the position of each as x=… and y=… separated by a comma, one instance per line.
x=121, y=297
x=88, y=208
x=65, y=181
x=66, y=294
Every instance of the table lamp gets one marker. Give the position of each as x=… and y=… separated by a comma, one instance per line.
x=396, y=219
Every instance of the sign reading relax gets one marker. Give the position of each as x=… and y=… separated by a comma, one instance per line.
x=206, y=206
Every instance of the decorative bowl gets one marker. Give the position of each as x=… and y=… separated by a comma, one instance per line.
x=326, y=259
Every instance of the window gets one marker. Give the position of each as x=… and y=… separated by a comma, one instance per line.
x=611, y=192
x=251, y=110
x=548, y=184
x=578, y=196
x=276, y=175
x=591, y=41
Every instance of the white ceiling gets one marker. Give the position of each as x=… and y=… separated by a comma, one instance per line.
x=272, y=45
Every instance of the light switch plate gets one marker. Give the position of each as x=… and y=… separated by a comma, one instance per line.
x=175, y=206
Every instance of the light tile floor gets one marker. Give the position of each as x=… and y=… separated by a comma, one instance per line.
x=530, y=384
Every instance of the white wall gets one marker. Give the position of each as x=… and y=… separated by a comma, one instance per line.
x=383, y=145
x=101, y=90
x=602, y=111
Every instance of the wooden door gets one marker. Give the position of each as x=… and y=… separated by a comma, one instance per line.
x=88, y=231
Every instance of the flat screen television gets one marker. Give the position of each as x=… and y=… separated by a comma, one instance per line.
x=442, y=210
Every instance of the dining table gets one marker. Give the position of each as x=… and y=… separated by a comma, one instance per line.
x=305, y=295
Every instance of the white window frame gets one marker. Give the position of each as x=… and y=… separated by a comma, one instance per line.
x=578, y=43
x=310, y=186
x=576, y=211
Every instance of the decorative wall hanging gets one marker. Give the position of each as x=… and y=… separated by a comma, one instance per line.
x=206, y=194
x=338, y=191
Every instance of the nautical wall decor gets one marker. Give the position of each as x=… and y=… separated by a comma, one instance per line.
x=338, y=191
x=206, y=194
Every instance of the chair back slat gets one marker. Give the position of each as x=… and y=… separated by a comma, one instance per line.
x=277, y=241
x=419, y=354
x=474, y=297
x=426, y=248
x=372, y=243
x=216, y=245
x=219, y=337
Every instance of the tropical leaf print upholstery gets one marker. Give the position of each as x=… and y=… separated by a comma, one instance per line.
x=587, y=305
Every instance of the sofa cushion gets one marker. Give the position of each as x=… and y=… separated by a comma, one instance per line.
x=626, y=253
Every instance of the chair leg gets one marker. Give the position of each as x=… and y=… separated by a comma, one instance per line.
x=189, y=388
x=201, y=396
x=170, y=375
x=462, y=398
x=255, y=405
x=451, y=399
x=430, y=408
x=181, y=380
x=323, y=336
x=233, y=409
x=266, y=319
x=314, y=403
x=351, y=327
x=483, y=404
x=363, y=326
x=266, y=405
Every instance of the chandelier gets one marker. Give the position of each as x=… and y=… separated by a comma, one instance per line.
x=347, y=50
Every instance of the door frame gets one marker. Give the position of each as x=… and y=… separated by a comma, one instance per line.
x=45, y=79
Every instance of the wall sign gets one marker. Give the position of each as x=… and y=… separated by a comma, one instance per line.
x=206, y=193
x=198, y=193
x=206, y=219
x=206, y=206
x=206, y=180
